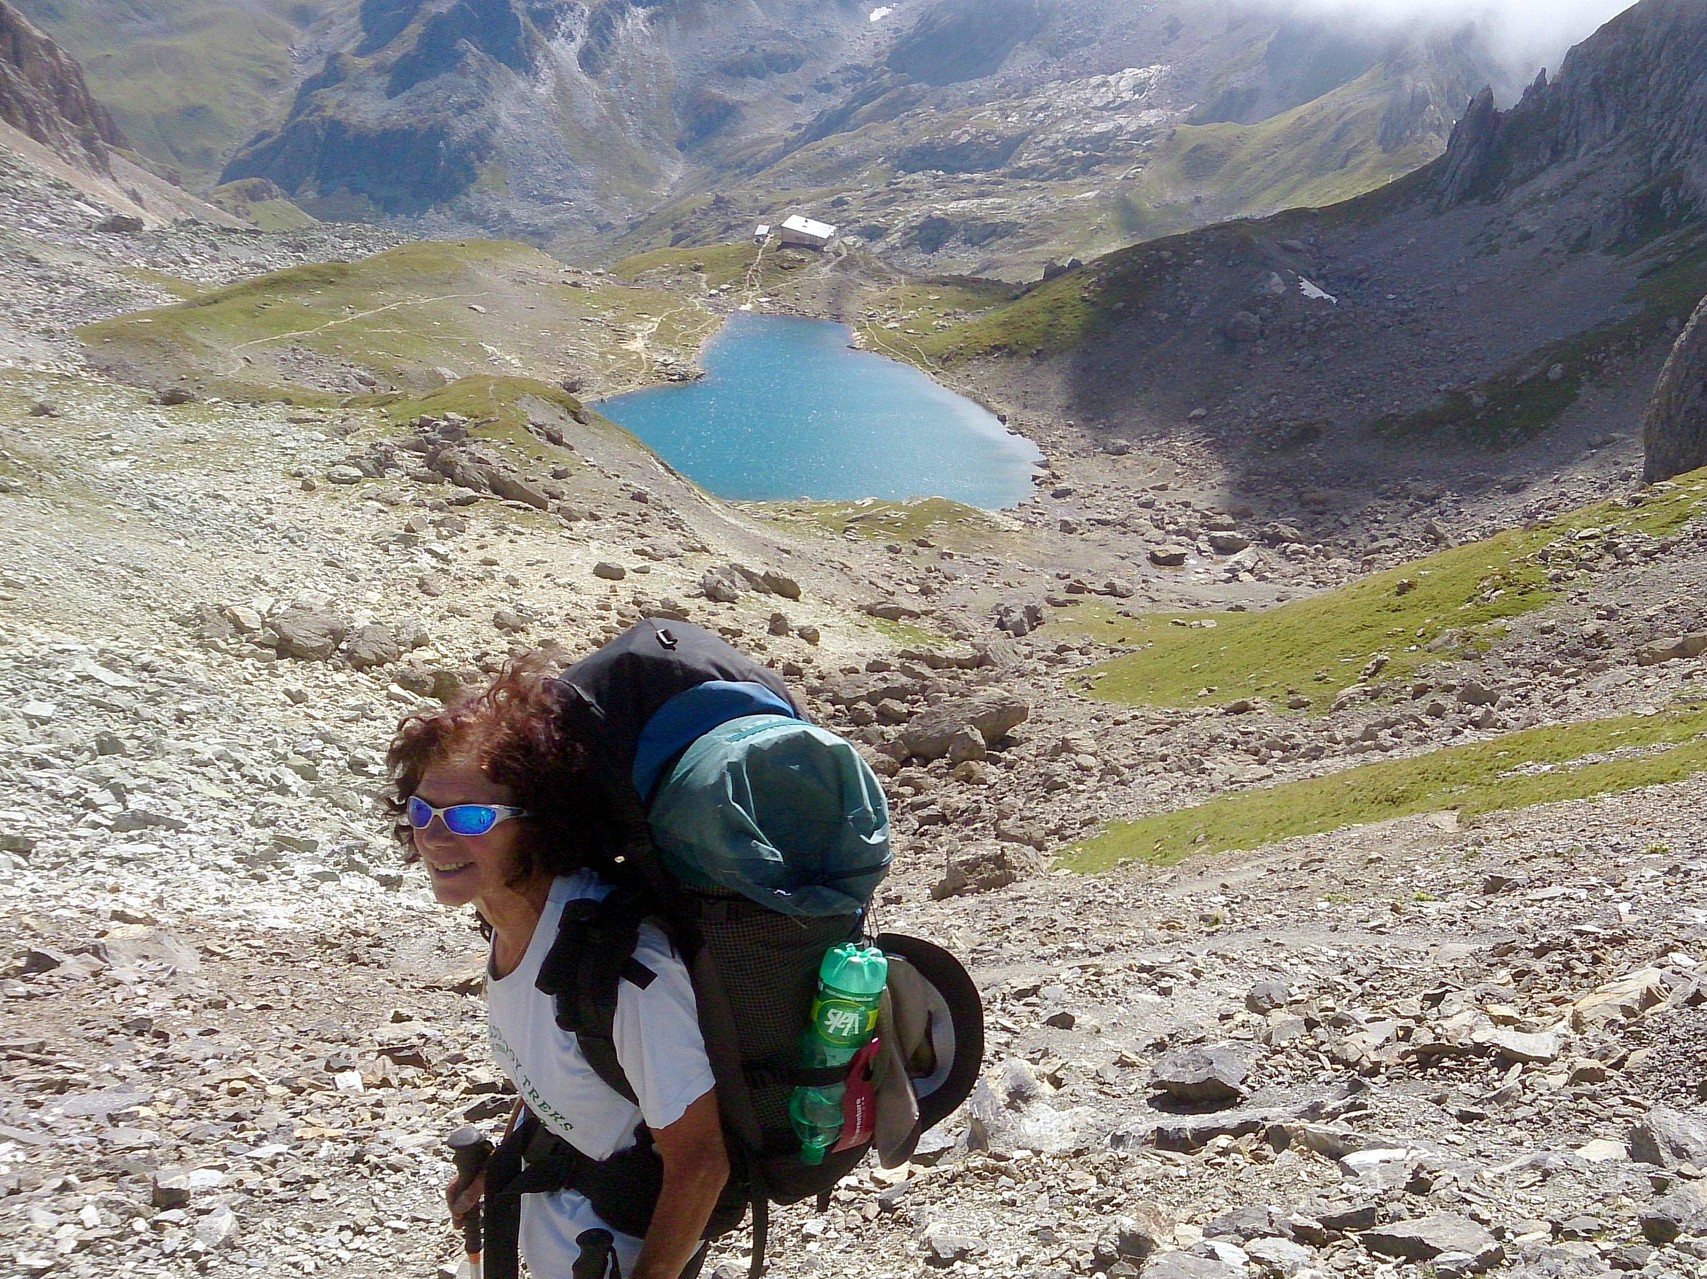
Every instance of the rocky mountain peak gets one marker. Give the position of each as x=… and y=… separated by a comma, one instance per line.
x=1627, y=113
x=42, y=94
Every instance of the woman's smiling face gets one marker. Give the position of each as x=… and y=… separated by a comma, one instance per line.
x=466, y=869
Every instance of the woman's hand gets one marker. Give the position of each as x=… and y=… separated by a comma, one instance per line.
x=464, y=1199
x=696, y=1164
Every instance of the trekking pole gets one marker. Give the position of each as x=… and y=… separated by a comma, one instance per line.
x=469, y=1151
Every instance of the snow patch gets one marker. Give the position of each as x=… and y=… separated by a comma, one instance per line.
x=877, y=15
x=1315, y=293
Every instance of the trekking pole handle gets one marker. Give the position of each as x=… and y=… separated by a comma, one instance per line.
x=469, y=1151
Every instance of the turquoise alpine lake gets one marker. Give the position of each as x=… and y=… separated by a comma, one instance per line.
x=788, y=410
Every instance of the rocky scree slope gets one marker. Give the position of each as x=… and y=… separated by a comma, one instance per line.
x=234, y=1030
x=1100, y=125
x=522, y=115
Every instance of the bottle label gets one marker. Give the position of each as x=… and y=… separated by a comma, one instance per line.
x=843, y=1022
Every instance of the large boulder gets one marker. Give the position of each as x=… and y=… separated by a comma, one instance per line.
x=1674, y=435
x=939, y=730
x=309, y=634
x=1200, y=1076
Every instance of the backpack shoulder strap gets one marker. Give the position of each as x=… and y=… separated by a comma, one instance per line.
x=591, y=957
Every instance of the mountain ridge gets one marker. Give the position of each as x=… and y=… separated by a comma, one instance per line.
x=689, y=123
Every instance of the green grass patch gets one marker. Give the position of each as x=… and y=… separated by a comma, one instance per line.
x=1515, y=770
x=905, y=634
x=884, y=520
x=263, y=205
x=491, y=402
x=1318, y=646
x=720, y=265
x=472, y=307
x=1321, y=153
x=904, y=320
x=1055, y=316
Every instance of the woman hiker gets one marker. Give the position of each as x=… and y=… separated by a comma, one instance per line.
x=496, y=804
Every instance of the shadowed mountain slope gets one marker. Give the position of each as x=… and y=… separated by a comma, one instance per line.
x=187, y=80
x=1533, y=276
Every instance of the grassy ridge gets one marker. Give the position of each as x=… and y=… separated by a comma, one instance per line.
x=1314, y=155
x=1318, y=646
x=1516, y=770
x=472, y=307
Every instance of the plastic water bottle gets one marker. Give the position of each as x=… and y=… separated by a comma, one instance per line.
x=844, y=1015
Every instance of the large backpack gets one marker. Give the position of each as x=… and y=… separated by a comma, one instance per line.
x=755, y=839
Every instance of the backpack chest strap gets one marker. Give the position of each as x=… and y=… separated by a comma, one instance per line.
x=592, y=955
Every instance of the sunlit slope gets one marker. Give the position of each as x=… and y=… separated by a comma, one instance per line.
x=1380, y=632
x=1455, y=601
x=1514, y=770
x=409, y=319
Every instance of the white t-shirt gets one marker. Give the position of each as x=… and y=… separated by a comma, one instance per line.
x=658, y=1043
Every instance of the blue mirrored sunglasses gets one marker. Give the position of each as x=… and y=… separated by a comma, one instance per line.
x=460, y=819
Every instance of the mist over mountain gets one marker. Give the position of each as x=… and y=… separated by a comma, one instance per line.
x=1524, y=35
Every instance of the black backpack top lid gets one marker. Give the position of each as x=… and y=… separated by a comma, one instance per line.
x=644, y=697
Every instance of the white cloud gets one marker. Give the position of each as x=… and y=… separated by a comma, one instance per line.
x=1526, y=32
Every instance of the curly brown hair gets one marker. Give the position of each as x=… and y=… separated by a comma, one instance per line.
x=513, y=732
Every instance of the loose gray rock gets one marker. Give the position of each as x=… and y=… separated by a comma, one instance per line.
x=513, y=488
x=371, y=645
x=719, y=587
x=1018, y=618
x=985, y=869
x=1667, y=1137
x=1168, y=555
x=1242, y=326
x=1133, y=1237
x=1678, y=648
x=1268, y=996
x=1671, y=1215
x=891, y=611
x=1425, y=1238
x=1180, y=1265
x=1278, y=1256
x=1206, y=1076
x=947, y=1247
x=308, y=634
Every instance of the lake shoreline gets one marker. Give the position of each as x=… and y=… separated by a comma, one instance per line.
x=884, y=429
